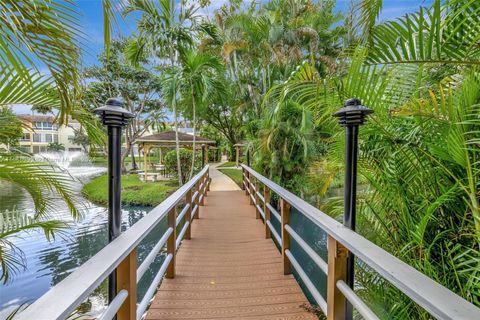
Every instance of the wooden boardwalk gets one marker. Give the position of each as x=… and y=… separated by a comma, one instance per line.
x=228, y=270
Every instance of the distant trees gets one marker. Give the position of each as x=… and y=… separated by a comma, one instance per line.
x=55, y=146
x=138, y=86
x=10, y=128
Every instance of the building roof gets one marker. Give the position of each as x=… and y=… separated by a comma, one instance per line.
x=36, y=118
x=169, y=137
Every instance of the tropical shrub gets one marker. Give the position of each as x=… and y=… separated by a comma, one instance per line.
x=185, y=161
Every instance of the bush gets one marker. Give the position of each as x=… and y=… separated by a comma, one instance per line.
x=185, y=162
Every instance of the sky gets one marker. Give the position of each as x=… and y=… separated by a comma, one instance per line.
x=92, y=23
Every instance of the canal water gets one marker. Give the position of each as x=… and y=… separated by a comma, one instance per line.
x=48, y=263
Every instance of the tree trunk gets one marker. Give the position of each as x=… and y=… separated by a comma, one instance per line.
x=125, y=154
x=194, y=131
x=174, y=107
x=134, y=163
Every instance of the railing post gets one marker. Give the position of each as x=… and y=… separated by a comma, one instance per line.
x=188, y=214
x=247, y=183
x=266, y=209
x=285, y=211
x=337, y=270
x=209, y=180
x=244, y=181
x=197, y=199
x=252, y=178
x=257, y=189
x=127, y=279
x=202, y=190
x=172, y=217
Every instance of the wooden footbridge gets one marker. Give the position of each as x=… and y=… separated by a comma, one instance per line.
x=226, y=260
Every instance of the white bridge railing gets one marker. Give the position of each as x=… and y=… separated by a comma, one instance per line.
x=62, y=300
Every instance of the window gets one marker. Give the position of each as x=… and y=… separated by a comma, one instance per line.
x=36, y=149
x=44, y=126
x=26, y=137
x=48, y=137
x=55, y=138
x=36, y=138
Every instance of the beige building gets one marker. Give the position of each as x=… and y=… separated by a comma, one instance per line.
x=40, y=130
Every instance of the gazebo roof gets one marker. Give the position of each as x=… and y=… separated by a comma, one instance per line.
x=168, y=137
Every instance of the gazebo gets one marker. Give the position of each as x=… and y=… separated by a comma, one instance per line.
x=166, y=140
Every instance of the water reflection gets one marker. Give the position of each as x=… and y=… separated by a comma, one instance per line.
x=48, y=263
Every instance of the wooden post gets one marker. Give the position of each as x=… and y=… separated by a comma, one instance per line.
x=202, y=190
x=266, y=209
x=188, y=214
x=209, y=180
x=247, y=186
x=197, y=199
x=252, y=178
x=206, y=154
x=127, y=279
x=172, y=218
x=285, y=210
x=257, y=189
x=243, y=179
x=337, y=270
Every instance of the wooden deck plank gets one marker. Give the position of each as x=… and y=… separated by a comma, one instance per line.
x=229, y=270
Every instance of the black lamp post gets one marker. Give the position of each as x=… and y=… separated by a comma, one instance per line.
x=248, y=157
x=351, y=116
x=115, y=118
x=203, y=155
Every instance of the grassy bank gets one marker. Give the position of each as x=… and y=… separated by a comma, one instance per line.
x=234, y=174
x=134, y=191
x=228, y=164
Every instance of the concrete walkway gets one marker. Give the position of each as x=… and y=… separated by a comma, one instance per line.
x=221, y=182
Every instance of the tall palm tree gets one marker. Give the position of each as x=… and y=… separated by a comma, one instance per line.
x=165, y=28
x=199, y=74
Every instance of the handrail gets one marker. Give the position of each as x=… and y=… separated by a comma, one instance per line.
x=116, y=303
x=433, y=297
x=61, y=300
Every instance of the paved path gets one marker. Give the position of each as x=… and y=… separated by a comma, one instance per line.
x=221, y=182
x=228, y=270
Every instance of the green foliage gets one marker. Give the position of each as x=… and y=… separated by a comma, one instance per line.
x=55, y=146
x=185, y=161
x=284, y=146
x=134, y=191
x=10, y=127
